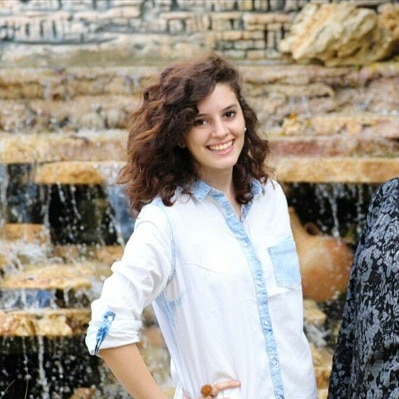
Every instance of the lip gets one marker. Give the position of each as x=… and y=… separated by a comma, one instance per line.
x=222, y=146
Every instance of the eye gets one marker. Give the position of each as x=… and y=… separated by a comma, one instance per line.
x=199, y=122
x=230, y=114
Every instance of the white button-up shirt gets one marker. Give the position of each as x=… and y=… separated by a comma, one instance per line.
x=226, y=292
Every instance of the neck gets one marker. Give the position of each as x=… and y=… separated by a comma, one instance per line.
x=222, y=182
x=225, y=185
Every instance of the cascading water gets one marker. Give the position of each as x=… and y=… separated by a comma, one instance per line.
x=44, y=358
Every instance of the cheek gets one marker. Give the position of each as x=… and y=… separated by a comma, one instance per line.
x=241, y=136
x=195, y=139
x=194, y=148
x=191, y=146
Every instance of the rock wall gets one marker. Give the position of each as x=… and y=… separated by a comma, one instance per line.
x=324, y=124
x=241, y=28
x=55, y=32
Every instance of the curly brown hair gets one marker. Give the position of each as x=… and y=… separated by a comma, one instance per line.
x=156, y=164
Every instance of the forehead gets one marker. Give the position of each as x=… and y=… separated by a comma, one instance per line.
x=221, y=97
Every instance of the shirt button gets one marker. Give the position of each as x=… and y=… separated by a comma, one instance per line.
x=274, y=361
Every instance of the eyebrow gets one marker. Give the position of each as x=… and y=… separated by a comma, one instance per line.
x=231, y=106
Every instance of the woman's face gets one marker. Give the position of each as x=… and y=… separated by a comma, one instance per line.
x=217, y=137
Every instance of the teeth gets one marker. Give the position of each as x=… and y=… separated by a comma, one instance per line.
x=221, y=147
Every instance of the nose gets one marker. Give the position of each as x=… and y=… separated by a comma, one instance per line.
x=219, y=128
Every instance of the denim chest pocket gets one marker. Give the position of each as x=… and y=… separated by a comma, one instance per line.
x=285, y=264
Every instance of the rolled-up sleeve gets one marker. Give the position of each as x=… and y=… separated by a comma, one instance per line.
x=137, y=279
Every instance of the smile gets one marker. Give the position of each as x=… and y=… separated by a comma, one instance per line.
x=221, y=147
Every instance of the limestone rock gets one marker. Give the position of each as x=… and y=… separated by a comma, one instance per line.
x=87, y=145
x=78, y=173
x=312, y=314
x=389, y=18
x=54, y=276
x=44, y=322
x=336, y=169
x=322, y=393
x=83, y=393
x=28, y=232
x=3, y=257
x=322, y=360
x=342, y=34
x=343, y=123
x=106, y=254
x=307, y=168
x=357, y=146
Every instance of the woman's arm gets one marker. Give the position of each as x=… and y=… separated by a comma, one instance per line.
x=129, y=368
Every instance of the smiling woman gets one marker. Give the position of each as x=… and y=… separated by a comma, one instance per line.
x=212, y=235
x=216, y=140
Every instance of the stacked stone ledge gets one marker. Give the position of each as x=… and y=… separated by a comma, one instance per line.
x=309, y=113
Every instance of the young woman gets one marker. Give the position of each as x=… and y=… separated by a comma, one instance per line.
x=212, y=249
x=366, y=357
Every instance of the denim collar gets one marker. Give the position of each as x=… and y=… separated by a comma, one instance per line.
x=200, y=189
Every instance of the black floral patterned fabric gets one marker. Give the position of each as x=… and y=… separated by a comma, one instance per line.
x=366, y=357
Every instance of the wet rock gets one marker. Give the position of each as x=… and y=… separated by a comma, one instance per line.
x=54, y=276
x=83, y=393
x=107, y=254
x=43, y=322
x=342, y=34
x=315, y=169
x=79, y=173
x=312, y=313
x=93, y=121
x=322, y=360
x=354, y=123
x=82, y=146
x=27, y=232
x=331, y=146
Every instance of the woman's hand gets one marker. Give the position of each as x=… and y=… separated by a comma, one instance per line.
x=211, y=391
